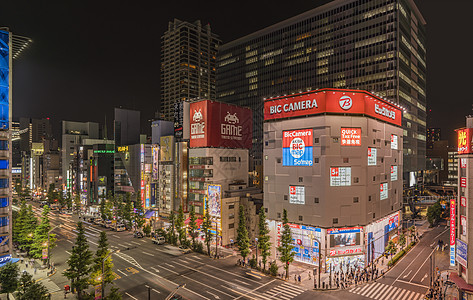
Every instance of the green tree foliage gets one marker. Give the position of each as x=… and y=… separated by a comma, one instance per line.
x=41, y=235
x=390, y=248
x=264, y=245
x=206, y=226
x=171, y=229
x=192, y=225
x=79, y=263
x=68, y=200
x=139, y=214
x=147, y=230
x=52, y=194
x=114, y=294
x=29, y=289
x=102, y=252
x=434, y=213
x=18, y=222
x=180, y=226
x=28, y=229
x=127, y=211
x=402, y=240
x=77, y=204
x=286, y=255
x=243, y=240
x=9, y=278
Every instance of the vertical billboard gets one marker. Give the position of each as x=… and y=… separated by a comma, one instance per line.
x=372, y=156
x=297, y=147
x=462, y=253
x=394, y=142
x=452, y=232
x=178, y=119
x=383, y=191
x=465, y=140
x=4, y=79
x=305, y=242
x=350, y=136
x=463, y=182
x=340, y=176
x=214, y=196
x=155, y=156
x=462, y=163
x=393, y=173
x=296, y=194
x=167, y=144
x=215, y=124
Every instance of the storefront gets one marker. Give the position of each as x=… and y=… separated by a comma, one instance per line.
x=379, y=233
x=345, y=249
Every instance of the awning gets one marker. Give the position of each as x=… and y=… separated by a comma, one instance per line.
x=149, y=214
x=198, y=221
x=13, y=260
x=460, y=282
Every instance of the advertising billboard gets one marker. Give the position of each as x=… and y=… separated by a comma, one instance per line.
x=350, y=136
x=393, y=173
x=462, y=253
x=214, y=196
x=452, y=232
x=463, y=182
x=465, y=140
x=383, y=191
x=178, y=119
x=463, y=201
x=4, y=79
x=331, y=101
x=167, y=144
x=463, y=223
x=297, y=147
x=344, y=237
x=155, y=165
x=296, y=194
x=394, y=142
x=462, y=163
x=372, y=156
x=340, y=176
x=304, y=241
x=215, y=124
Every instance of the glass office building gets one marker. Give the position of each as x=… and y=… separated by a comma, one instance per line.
x=374, y=45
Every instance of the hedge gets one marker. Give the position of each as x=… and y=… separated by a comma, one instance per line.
x=400, y=254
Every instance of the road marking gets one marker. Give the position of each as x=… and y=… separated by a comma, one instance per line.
x=70, y=241
x=408, y=265
x=156, y=291
x=170, y=265
x=185, y=261
x=422, y=265
x=407, y=274
x=254, y=290
x=116, y=236
x=116, y=276
x=68, y=252
x=93, y=243
x=412, y=283
x=123, y=272
x=197, y=257
x=246, y=295
x=147, y=253
x=216, y=297
x=156, y=270
x=136, y=243
x=131, y=296
x=423, y=278
x=132, y=270
x=122, y=246
x=174, y=272
x=221, y=270
x=241, y=281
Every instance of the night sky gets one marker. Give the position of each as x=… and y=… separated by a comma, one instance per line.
x=91, y=56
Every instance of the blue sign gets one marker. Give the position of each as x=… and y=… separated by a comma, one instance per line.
x=462, y=253
x=4, y=79
x=297, y=148
x=343, y=230
x=5, y=258
x=452, y=255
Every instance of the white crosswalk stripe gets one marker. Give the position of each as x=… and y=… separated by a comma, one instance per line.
x=50, y=286
x=285, y=291
x=380, y=291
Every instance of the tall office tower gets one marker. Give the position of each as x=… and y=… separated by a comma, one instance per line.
x=188, y=55
x=375, y=45
x=11, y=47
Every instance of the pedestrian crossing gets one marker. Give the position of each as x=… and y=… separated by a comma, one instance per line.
x=380, y=291
x=50, y=286
x=285, y=291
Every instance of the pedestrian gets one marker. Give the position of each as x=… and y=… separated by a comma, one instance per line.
x=299, y=278
x=26, y=264
x=35, y=270
x=309, y=274
x=295, y=278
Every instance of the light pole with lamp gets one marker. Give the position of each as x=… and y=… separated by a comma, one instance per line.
x=256, y=242
x=103, y=270
x=49, y=260
x=320, y=259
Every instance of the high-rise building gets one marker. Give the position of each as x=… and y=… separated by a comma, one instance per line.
x=126, y=127
x=11, y=47
x=374, y=45
x=433, y=135
x=188, y=55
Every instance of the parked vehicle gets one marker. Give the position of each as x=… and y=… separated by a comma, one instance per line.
x=159, y=240
x=184, y=249
x=138, y=234
x=121, y=227
x=108, y=224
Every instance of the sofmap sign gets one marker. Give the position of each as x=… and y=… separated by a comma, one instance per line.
x=297, y=147
x=215, y=124
x=452, y=232
x=331, y=101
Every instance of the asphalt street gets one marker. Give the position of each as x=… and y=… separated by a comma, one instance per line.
x=143, y=268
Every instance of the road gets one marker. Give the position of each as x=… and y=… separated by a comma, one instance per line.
x=141, y=264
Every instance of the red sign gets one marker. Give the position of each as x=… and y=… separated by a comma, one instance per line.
x=463, y=201
x=334, y=172
x=350, y=136
x=334, y=252
x=463, y=163
x=463, y=181
x=452, y=222
x=215, y=124
x=465, y=140
x=332, y=101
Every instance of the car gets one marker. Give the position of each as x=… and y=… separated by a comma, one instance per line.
x=108, y=224
x=138, y=234
x=159, y=240
x=98, y=221
x=184, y=249
x=120, y=227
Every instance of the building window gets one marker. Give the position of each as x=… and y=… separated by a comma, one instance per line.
x=374, y=215
x=266, y=210
x=345, y=160
x=230, y=226
x=301, y=179
x=395, y=191
x=279, y=215
x=278, y=160
x=266, y=157
x=355, y=199
x=300, y=218
x=374, y=178
x=316, y=140
x=369, y=198
x=385, y=177
x=335, y=139
x=316, y=200
x=335, y=221
x=382, y=159
x=231, y=206
x=374, y=142
x=316, y=160
x=356, y=179
x=285, y=197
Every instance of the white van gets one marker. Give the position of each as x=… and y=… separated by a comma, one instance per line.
x=159, y=240
x=121, y=227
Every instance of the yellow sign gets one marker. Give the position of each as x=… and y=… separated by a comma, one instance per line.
x=167, y=143
x=122, y=149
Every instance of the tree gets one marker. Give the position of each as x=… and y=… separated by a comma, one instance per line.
x=192, y=225
x=286, y=255
x=40, y=238
x=264, y=244
x=243, y=240
x=102, y=209
x=171, y=229
x=139, y=215
x=79, y=263
x=9, y=278
x=29, y=289
x=433, y=213
x=30, y=223
x=61, y=199
x=77, y=203
x=206, y=226
x=180, y=226
x=402, y=240
x=18, y=222
x=51, y=195
x=390, y=248
x=114, y=294
x=68, y=200
x=102, y=252
x=412, y=232
x=126, y=211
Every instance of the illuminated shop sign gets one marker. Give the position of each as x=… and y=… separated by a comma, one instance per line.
x=122, y=148
x=344, y=237
x=452, y=232
x=463, y=223
x=372, y=156
x=463, y=181
x=383, y=191
x=350, y=137
x=462, y=163
x=465, y=140
x=214, y=196
x=393, y=173
x=296, y=194
x=331, y=101
x=462, y=253
x=463, y=201
x=297, y=147
x=394, y=142
x=337, y=252
x=340, y=176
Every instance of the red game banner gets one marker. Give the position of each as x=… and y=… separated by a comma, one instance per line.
x=350, y=136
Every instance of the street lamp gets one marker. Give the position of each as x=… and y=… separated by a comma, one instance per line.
x=49, y=260
x=103, y=275
x=320, y=259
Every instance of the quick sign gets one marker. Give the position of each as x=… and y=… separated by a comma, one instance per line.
x=340, y=176
x=297, y=147
x=452, y=232
x=393, y=173
x=383, y=191
x=394, y=143
x=462, y=253
x=296, y=194
x=350, y=137
x=372, y=156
